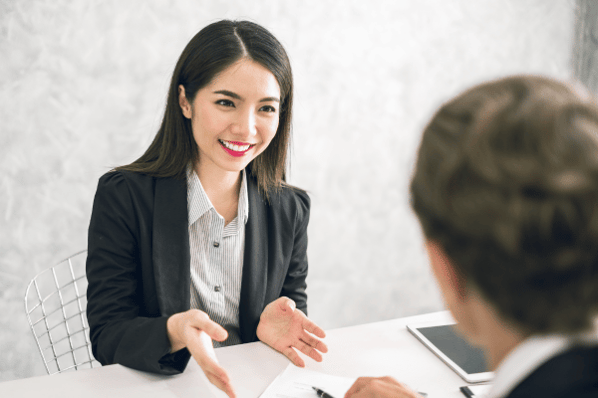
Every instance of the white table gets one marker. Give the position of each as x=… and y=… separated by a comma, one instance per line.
x=374, y=349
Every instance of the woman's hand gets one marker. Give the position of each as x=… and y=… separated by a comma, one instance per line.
x=383, y=387
x=285, y=328
x=194, y=329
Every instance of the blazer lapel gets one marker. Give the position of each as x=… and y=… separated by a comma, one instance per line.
x=255, y=260
x=171, y=258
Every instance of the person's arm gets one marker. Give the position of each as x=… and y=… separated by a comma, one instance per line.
x=283, y=324
x=294, y=284
x=119, y=331
x=122, y=329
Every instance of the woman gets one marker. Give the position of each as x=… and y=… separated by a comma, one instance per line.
x=505, y=188
x=200, y=238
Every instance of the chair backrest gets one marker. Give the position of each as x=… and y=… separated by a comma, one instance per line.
x=55, y=303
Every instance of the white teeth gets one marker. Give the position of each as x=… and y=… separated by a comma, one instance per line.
x=235, y=148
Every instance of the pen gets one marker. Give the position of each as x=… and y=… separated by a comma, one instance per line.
x=322, y=393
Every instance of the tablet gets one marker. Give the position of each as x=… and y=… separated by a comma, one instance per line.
x=444, y=341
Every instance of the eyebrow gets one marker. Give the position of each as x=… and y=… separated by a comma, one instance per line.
x=237, y=96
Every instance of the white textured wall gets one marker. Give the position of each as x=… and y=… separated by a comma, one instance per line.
x=82, y=86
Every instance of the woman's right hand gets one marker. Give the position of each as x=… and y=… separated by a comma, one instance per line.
x=195, y=330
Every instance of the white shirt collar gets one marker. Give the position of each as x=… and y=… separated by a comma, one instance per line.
x=530, y=355
x=198, y=202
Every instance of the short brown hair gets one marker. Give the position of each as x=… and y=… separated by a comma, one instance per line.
x=506, y=181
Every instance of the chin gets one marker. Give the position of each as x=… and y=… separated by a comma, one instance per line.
x=235, y=167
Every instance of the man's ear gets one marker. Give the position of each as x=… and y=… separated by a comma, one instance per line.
x=452, y=283
x=184, y=103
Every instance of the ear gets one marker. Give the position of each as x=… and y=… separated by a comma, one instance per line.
x=184, y=103
x=451, y=282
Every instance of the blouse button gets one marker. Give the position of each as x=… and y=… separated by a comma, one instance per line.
x=217, y=288
x=216, y=244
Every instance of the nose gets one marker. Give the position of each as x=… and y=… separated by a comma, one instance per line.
x=245, y=124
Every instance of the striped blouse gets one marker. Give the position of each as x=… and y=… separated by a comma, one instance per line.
x=216, y=257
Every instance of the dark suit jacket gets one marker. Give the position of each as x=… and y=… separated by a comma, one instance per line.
x=138, y=265
x=572, y=374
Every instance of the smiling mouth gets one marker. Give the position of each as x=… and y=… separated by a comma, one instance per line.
x=235, y=148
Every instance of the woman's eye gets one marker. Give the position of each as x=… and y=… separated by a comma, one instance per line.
x=268, y=108
x=225, y=102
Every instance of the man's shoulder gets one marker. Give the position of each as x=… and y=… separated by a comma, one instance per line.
x=573, y=373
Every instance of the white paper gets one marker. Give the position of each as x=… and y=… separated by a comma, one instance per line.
x=295, y=382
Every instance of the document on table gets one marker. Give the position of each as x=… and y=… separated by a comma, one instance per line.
x=295, y=382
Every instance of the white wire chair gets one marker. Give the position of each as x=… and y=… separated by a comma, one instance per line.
x=55, y=303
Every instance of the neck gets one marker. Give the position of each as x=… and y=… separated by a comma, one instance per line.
x=496, y=336
x=502, y=343
x=221, y=186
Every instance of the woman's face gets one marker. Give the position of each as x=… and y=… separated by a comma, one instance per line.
x=235, y=117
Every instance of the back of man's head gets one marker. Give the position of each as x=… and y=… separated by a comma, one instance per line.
x=506, y=182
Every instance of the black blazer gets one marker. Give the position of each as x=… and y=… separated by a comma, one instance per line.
x=138, y=265
x=572, y=374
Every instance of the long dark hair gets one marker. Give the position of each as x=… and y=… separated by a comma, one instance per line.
x=212, y=50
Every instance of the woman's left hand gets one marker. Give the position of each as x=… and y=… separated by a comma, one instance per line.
x=285, y=328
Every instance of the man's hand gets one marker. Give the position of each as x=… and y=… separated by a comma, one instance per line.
x=382, y=387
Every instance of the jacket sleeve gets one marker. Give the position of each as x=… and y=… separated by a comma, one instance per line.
x=121, y=329
x=294, y=284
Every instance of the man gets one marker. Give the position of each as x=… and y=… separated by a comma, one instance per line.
x=506, y=191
